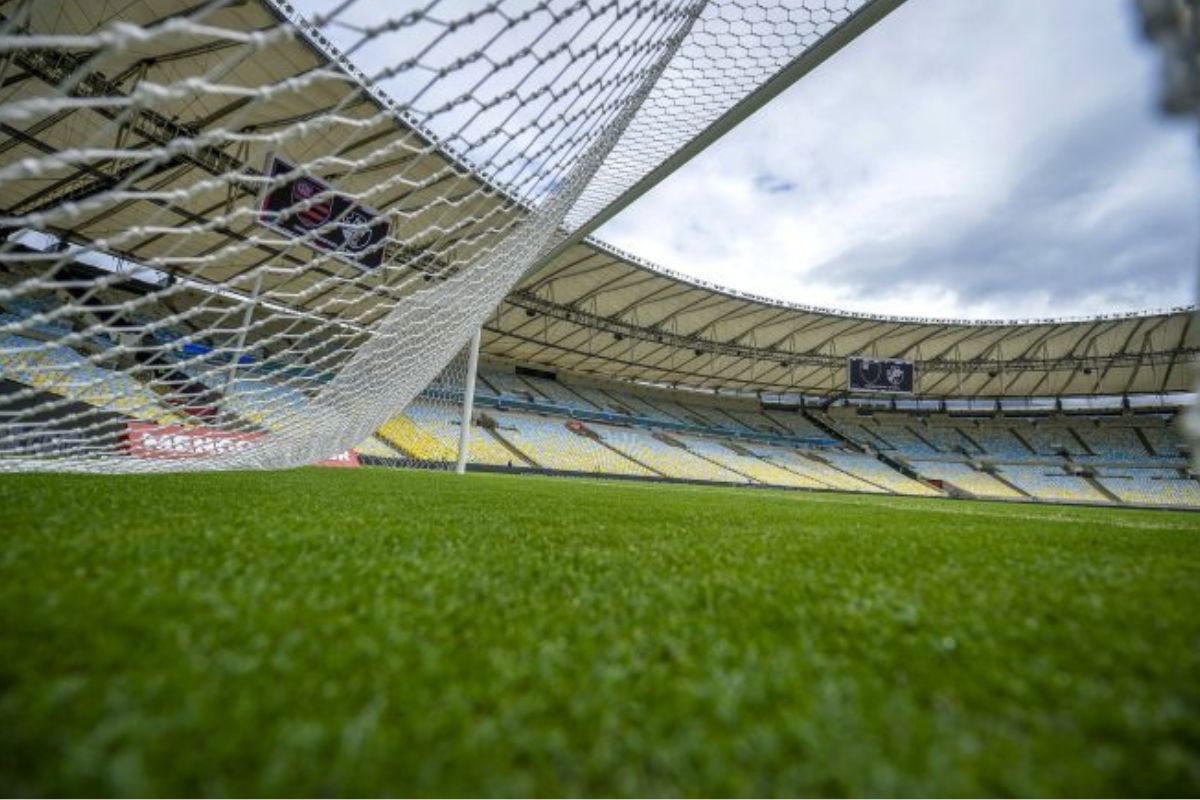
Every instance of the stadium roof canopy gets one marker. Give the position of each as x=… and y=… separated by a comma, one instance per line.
x=596, y=310
x=591, y=310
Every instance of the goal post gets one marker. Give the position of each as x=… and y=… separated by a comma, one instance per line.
x=468, y=404
x=248, y=234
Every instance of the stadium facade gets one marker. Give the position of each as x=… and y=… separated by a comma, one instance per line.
x=162, y=311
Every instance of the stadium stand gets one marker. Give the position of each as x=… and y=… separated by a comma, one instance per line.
x=557, y=393
x=1051, y=437
x=811, y=472
x=667, y=456
x=872, y=470
x=505, y=383
x=601, y=401
x=258, y=400
x=794, y=422
x=1051, y=483
x=966, y=478
x=1111, y=442
x=677, y=412
x=898, y=435
x=523, y=421
x=1151, y=486
x=1137, y=459
x=1163, y=440
x=154, y=323
x=944, y=438
x=726, y=454
x=716, y=418
x=642, y=406
x=996, y=439
x=375, y=447
x=681, y=435
x=59, y=369
x=428, y=432
x=550, y=444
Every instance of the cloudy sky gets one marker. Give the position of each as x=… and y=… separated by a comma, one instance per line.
x=978, y=158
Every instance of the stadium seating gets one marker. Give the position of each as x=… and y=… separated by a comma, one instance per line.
x=61, y=370
x=1111, y=443
x=756, y=422
x=871, y=469
x=548, y=442
x=429, y=432
x=997, y=440
x=374, y=446
x=1049, y=437
x=505, y=383
x=1164, y=439
x=716, y=418
x=938, y=447
x=809, y=466
x=903, y=438
x=965, y=477
x=946, y=438
x=252, y=399
x=666, y=459
x=1136, y=457
x=630, y=402
x=795, y=422
x=1152, y=486
x=680, y=413
x=867, y=431
x=600, y=400
x=1051, y=483
x=745, y=463
x=556, y=393
x=26, y=307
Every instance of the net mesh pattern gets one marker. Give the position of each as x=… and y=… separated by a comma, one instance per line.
x=248, y=234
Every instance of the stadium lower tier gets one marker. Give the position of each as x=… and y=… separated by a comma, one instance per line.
x=427, y=432
x=619, y=430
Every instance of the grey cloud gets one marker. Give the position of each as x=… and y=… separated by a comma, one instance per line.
x=1084, y=223
x=771, y=183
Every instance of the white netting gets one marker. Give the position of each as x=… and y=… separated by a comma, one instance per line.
x=242, y=234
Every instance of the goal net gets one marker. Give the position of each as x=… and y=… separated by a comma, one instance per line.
x=249, y=234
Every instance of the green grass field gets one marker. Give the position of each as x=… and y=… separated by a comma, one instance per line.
x=384, y=632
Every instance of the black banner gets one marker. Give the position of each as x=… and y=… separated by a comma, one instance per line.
x=308, y=207
x=881, y=375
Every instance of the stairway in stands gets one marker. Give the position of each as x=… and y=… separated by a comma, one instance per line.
x=833, y=432
x=1102, y=489
x=999, y=477
x=519, y=454
x=629, y=457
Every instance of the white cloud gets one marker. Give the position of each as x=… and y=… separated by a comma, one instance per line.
x=963, y=158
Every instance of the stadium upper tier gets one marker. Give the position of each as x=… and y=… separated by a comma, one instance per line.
x=598, y=311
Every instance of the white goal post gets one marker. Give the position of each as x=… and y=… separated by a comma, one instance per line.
x=247, y=234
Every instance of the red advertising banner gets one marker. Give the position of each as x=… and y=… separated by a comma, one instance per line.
x=306, y=207
x=346, y=459
x=146, y=440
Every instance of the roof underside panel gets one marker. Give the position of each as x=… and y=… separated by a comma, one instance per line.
x=597, y=311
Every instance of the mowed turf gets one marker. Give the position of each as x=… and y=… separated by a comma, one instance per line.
x=329, y=632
